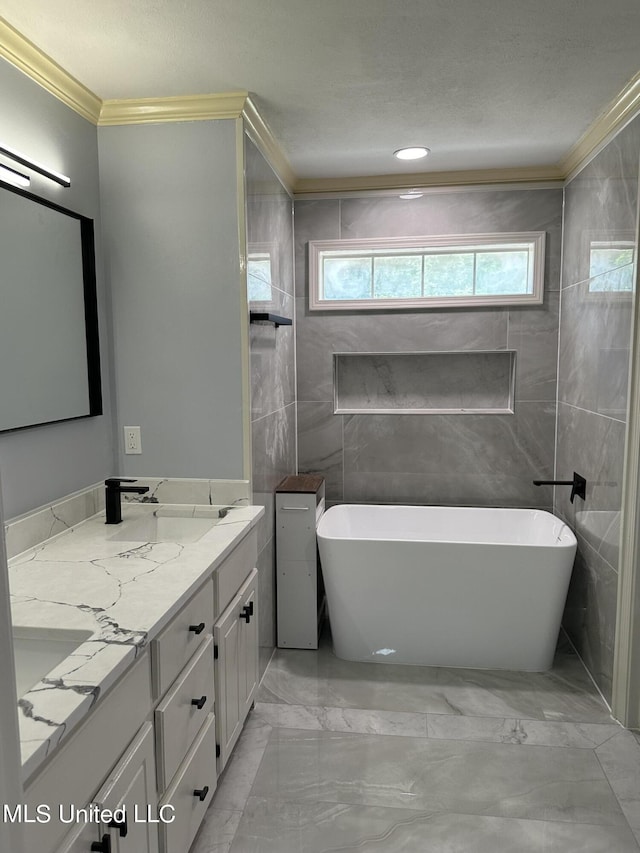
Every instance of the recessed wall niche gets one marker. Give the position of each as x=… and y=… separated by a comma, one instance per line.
x=422, y=383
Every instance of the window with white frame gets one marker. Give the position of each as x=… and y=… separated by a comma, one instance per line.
x=423, y=272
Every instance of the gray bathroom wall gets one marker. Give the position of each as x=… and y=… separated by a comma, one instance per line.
x=43, y=463
x=270, y=234
x=170, y=211
x=600, y=206
x=470, y=459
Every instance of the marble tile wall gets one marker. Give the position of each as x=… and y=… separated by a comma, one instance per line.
x=594, y=350
x=461, y=459
x=272, y=354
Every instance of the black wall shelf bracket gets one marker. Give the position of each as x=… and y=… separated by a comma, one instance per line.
x=276, y=319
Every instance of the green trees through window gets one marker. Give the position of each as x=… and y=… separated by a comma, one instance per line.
x=403, y=272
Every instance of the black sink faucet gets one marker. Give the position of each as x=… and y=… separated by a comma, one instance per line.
x=112, y=492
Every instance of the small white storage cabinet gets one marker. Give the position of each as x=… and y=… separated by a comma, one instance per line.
x=300, y=591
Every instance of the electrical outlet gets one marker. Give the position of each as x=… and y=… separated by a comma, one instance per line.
x=132, y=441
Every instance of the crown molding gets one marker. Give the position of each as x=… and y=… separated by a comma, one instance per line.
x=611, y=120
x=260, y=133
x=425, y=180
x=181, y=108
x=29, y=59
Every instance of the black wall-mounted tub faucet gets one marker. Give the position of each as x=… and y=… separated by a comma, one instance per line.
x=578, y=485
x=112, y=492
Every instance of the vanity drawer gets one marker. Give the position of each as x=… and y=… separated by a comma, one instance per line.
x=230, y=574
x=197, y=772
x=78, y=769
x=172, y=649
x=177, y=719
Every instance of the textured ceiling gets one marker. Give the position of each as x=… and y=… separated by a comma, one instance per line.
x=342, y=83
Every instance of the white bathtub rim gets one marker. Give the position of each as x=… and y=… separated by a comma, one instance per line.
x=568, y=539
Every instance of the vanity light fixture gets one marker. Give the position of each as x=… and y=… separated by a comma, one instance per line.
x=414, y=153
x=63, y=180
x=411, y=194
x=16, y=179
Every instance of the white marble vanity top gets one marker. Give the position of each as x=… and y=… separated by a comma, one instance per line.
x=123, y=592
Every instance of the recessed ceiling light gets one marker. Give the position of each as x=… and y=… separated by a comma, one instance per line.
x=414, y=153
x=412, y=194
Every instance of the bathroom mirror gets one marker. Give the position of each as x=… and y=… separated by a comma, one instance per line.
x=49, y=351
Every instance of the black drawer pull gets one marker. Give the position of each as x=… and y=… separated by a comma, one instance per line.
x=197, y=629
x=120, y=825
x=199, y=703
x=103, y=846
x=201, y=793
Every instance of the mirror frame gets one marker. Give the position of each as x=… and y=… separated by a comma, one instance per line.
x=92, y=338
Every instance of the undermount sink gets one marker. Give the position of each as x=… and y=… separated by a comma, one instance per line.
x=168, y=525
x=38, y=651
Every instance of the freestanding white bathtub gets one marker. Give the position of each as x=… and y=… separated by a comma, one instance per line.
x=445, y=586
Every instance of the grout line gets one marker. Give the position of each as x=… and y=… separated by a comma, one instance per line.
x=613, y=791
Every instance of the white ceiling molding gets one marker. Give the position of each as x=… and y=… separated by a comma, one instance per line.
x=422, y=180
x=260, y=133
x=182, y=108
x=618, y=113
x=29, y=59
x=33, y=62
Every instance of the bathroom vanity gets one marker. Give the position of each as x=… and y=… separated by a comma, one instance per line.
x=141, y=718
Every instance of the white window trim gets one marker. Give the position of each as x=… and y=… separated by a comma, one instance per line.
x=317, y=247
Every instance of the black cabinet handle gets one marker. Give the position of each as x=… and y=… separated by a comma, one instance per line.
x=199, y=703
x=103, y=846
x=246, y=613
x=197, y=629
x=120, y=825
x=201, y=793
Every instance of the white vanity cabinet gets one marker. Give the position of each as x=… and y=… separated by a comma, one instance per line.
x=79, y=768
x=183, y=665
x=169, y=725
x=236, y=637
x=79, y=840
x=132, y=786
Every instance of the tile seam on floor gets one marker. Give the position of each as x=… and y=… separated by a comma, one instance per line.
x=434, y=813
x=612, y=787
x=324, y=725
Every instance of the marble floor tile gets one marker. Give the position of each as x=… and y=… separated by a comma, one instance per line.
x=565, y=693
x=526, y=732
x=290, y=827
x=217, y=831
x=237, y=778
x=620, y=760
x=342, y=719
x=499, y=780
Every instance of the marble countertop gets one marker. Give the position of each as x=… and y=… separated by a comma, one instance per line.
x=124, y=593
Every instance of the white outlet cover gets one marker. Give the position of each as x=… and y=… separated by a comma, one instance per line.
x=132, y=440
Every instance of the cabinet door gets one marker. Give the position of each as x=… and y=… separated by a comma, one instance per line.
x=80, y=840
x=248, y=640
x=132, y=786
x=226, y=634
